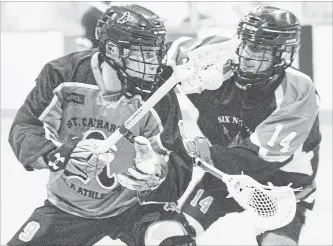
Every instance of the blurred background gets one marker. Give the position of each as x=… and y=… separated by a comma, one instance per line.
x=33, y=33
x=41, y=31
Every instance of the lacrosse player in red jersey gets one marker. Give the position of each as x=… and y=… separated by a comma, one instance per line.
x=262, y=121
x=78, y=101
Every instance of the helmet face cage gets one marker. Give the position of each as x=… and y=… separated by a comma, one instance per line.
x=127, y=30
x=271, y=28
x=144, y=63
x=263, y=54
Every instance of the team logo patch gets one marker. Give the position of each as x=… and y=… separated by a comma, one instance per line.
x=54, y=164
x=105, y=178
x=74, y=97
x=124, y=18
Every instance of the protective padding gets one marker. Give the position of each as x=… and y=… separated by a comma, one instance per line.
x=158, y=231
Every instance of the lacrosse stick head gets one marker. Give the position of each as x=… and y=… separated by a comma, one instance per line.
x=207, y=67
x=270, y=207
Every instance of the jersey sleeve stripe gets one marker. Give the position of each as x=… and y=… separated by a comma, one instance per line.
x=51, y=134
x=279, y=95
x=74, y=84
x=49, y=107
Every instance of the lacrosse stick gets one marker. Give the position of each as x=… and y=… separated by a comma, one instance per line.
x=200, y=59
x=271, y=207
x=189, y=130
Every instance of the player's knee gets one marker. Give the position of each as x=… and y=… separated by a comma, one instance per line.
x=276, y=240
x=168, y=232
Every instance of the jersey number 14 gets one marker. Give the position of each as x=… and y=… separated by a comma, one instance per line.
x=204, y=203
x=285, y=142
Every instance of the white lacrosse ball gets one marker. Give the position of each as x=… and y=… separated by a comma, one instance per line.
x=212, y=79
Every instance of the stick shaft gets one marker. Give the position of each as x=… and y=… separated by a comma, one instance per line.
x=197, y=176
x=138, y=114
x=211, y=169
x=202, y=57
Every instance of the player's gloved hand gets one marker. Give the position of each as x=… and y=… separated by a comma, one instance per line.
x=149, y=171
x=199, y=146
x=85, y=161
x=79, y=157
x=57, y=159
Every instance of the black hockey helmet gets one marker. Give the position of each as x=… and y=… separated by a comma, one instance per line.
x=123, y=30
x=269, y=28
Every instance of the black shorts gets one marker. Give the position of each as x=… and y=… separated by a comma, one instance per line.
x=49, y=225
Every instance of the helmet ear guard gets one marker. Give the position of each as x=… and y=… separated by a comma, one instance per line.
x=288, y=55
x=113, y=51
